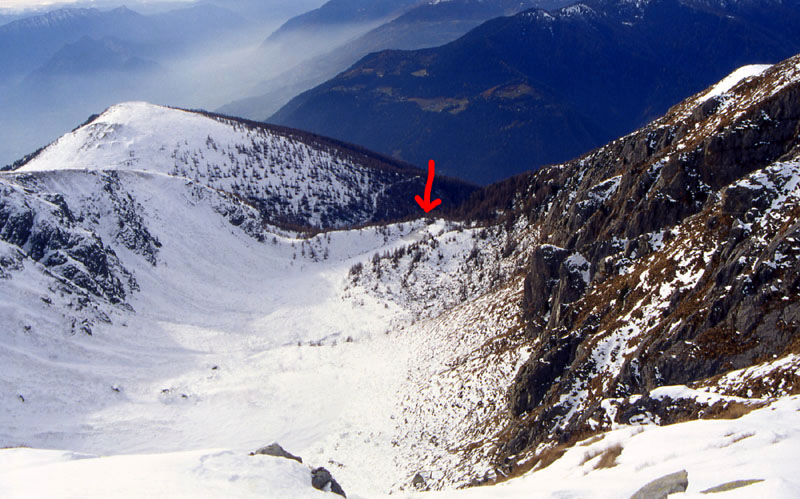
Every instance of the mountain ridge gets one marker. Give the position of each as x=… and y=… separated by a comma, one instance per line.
x=425, y=25
x=133, y=136
x=663, y=259
x=340, y=12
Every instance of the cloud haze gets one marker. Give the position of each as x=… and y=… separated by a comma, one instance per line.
x=17, y=5
x=204, y=58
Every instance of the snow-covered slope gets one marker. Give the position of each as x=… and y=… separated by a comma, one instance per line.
x=293, y=178
x=148, y=312
x=221, y=340
x=749, y=457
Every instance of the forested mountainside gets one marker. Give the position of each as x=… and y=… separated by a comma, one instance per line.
x=542, y=87
x=428, y=24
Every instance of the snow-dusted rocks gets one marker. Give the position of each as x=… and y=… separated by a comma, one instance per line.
x=274, y=449
x=661, y=488
x=685, y=235
x=321, y=479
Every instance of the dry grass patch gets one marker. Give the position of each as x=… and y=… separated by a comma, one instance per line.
x=733, y=410
x=593, y=440
x=538, y=462
x=739, y=438
x=608, y=457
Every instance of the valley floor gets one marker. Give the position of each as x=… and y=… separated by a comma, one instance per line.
x=272, y=347
x=248, y=344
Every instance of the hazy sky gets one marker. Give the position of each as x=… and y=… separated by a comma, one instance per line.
x=24, y=4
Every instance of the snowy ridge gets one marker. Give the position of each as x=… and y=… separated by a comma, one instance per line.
x=48, y=19
x=741, y=91
x=732, y=80
x=290, y=180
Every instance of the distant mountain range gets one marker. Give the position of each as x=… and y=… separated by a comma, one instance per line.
x=427, y=24
x=7, y=18
x=338, y=13
x=541, y=87
x=268, y=10
x=62, y=65
x=87, y=56
x=308, y=35
x=29, y=42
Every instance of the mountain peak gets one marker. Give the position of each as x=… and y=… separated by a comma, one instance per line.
x=51, y=18
x=578, y=9
x=295, y=178
x=122, y=136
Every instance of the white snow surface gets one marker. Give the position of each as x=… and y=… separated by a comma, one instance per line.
x=235, y=344
x=761, y=445
x=733, y=79
x=295, y=179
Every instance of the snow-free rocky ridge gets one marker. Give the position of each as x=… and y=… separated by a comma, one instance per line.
x=159, y=325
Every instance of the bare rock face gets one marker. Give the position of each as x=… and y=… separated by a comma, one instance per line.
x=321, y=479
x=544, y=276
x=661, y=488
x=541, y=376
x=668, y=257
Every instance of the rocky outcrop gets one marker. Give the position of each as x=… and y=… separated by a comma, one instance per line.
x=661, y=488
x=667, y=257
x=274, y=449
x=132, y=231
x=45, y=230
x=321, y=479
x=419, y=482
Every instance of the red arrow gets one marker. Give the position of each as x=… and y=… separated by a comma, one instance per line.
x=426, y=204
